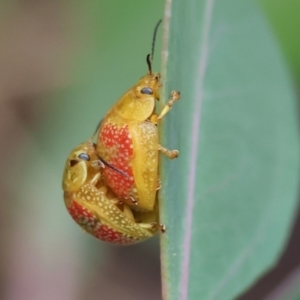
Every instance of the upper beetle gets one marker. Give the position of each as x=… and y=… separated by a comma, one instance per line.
x=128, y=140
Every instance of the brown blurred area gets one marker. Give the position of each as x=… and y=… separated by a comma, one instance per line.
x=35, y=38
x=38, y=43
x=34, y=41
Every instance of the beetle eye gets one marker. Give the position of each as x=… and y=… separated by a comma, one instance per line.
x=73, y=162
x=84, y=156
x=146, y=90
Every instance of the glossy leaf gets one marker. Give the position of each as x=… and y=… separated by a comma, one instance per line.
x=228, y=200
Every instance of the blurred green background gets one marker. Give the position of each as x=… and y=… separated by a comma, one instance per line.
x=63, y=63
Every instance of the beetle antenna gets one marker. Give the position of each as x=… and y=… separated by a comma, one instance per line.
x=150, y=58
x=149, y=63
x=154, y=38
x=112, y=167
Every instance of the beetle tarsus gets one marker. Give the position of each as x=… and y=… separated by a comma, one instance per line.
x=156, y=226
x=132, y=200
x=170, y=153
x=158, y=184
x=162, y=228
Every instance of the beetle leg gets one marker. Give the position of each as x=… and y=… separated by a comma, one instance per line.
x=133, y=201
x=162, y=228
x=158, y=184
x=95, y=179
x=175, y=96
x=97, y=164
x=170, y=153
x=129, y=200
x=153, y=226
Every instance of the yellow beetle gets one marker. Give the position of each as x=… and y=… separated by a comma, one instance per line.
x=97, y=210
x=128, y=140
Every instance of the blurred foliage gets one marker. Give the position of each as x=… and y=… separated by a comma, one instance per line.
x=284, y=19
x=77, y=59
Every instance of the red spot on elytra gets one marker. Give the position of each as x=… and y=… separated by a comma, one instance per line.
x=118, y=142
x=110, y=235
x=89, y=222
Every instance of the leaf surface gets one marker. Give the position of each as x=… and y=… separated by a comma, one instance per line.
x=229, y=199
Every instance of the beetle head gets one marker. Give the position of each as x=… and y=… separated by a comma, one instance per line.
x=79, y=166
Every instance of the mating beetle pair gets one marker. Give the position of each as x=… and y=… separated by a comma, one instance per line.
x=110, y=188
x=92, y=206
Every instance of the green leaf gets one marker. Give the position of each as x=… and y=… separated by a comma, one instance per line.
x=284, y=18
x=228, y=200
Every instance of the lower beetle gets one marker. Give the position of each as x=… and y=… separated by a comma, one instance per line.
x=95, y=208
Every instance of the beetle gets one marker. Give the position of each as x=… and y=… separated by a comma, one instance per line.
x=95, y=208
x=128, y=140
